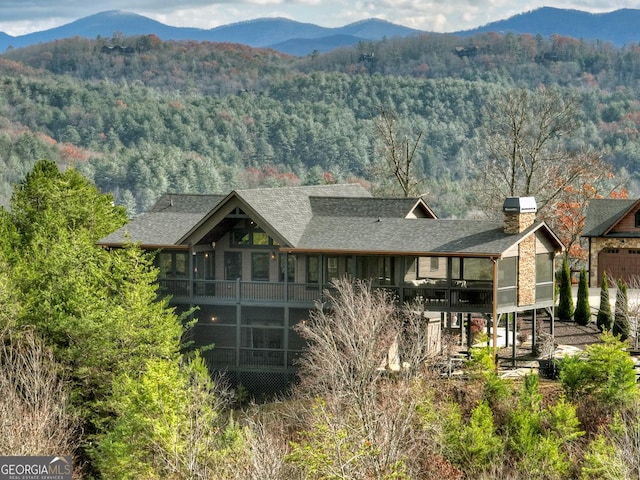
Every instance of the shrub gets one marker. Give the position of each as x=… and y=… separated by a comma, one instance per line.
x=621, y=326
x=604, y=320
x=605, y=370
x=565, y=304
x=582, y=315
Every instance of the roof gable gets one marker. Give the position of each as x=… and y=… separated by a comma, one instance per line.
x=282, y=212
x=604, y=214
x=165, y=223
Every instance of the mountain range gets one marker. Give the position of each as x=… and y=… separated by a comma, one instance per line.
x=296, y=38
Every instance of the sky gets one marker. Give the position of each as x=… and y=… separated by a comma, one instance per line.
x=18, y=17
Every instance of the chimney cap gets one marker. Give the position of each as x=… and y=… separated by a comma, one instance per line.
x=520, y=205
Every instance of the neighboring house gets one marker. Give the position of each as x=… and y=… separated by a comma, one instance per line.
x=256, y=261
x=612, y=227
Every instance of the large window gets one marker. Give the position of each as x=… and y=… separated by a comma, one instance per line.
x=260, y=266
x=288, y=265
x=313, y=269
x=232, y=265
x=204, y=266
x=379, y=270
x=172, y=264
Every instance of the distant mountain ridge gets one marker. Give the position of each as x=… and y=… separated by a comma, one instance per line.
x=620, y=27
x=296, y=38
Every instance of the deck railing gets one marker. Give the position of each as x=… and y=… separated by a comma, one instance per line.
x=478, y=297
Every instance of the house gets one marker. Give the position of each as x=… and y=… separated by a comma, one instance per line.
x=612, y=227
x=256, y=261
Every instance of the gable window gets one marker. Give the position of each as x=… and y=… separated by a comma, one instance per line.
x=247, y=234
x=637, y=219
x=260, y=266
x=232, y=265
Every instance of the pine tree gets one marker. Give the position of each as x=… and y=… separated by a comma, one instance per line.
x=582, y=314
x=604, y=320
x=621, y=317
x=565, y=305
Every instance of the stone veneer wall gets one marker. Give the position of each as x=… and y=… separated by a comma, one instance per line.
x=527, y=271
x=599, y=244
x=517, y=222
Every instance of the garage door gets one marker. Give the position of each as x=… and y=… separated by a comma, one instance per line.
x=619, y=263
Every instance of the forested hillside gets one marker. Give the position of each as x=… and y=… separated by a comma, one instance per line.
x=141, y=117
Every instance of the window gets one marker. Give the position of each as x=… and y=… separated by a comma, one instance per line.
x=290, y=268
x=260, y=266
x=332, y=268
x=377, y=269
x=432, y=267
x=247, y=234
x=637, y=219
x=313, y=269
x=204, y=266
x=172, y=264
x=232, y=265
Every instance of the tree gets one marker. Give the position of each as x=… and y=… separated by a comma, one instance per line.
x=582, y=315
x=398, y=153
x=565, y=304
x=97, y=310
x=527, y=155
x=168, y=426
x=621, y=325
x=604, y=320
x=368, y=398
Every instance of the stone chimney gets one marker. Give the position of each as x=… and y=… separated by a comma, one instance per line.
x=519, y=213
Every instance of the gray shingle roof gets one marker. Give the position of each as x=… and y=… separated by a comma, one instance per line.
x=401, y=235
x=322, y=218
x=288, y=210
x=363, y=207
x=602, y=214
x=166, y=222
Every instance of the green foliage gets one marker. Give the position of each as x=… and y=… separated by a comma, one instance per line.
x=167, y=426
x=482, y=365
x=601, y=461
x=474, y=445
x=330, y=450
x=605, y=317
x=538, y=436
x=582, y=315
x=97, y=309
x=605, y=371
x=565, y=302
x=621, y=326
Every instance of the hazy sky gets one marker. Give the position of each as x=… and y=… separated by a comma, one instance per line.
x=18, y=17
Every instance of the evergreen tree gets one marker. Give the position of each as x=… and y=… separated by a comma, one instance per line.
x=98, y=310
x=582, y=315
x=621, y=318
x=565, y=305
x=604, y=320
